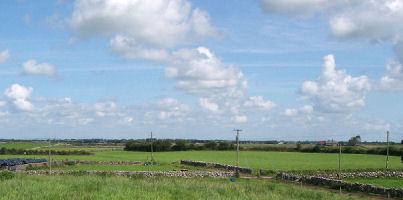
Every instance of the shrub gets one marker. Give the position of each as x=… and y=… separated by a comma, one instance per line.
x=6, y=176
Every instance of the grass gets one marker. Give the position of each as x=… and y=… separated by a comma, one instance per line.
x=77, y=148
x=23, y=145
x=96, y=187
x=388, y=182
x=159, y=167
x=252, y=159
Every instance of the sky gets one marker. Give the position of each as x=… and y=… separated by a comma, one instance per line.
x=278, y=70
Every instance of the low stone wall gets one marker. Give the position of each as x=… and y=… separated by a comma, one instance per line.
x=110, y=162
x=216, y=165
x=336, y=184
x=398, y=174
x=144, y=173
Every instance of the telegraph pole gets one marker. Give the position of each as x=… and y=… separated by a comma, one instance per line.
x=339, y=175
x=387, y=150
x=50, y=161
x=237, y=148
x=152, y=157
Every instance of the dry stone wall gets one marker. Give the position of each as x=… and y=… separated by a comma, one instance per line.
x=332, y=183
x=217, y=165
x=144, y=173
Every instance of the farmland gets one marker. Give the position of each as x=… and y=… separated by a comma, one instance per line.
x=251, y=159
x=390, y=182
x=95, y=187
x=23, y=145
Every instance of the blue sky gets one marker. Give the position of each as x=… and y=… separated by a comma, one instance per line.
x=291, y=70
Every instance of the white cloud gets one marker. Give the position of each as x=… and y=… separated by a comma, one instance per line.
x=172, y=109
x=129, y=48
x=19, y=96
x=240, y=119
x=335, y=90
x=393, y=77
x=290, y=112
x=199, y=71
x=2, y=103
x=209, y=106
x=259, y=103
x=31, y=67
x=145, y=24
x=4, y=55
x=306, y=109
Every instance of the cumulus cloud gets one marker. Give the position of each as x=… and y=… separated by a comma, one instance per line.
x=393, y=77
x=31, y=67
x=171, y=109
x=259, y=103
x=290, y=112
x=4, y=55
x=199, y=71
x=335, y=90
x=147, y=25
x=19, y=96
x=371, y=21
x=209, y=106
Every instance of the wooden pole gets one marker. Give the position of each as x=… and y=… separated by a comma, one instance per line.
x=50, y=161
x=387, y=150
x=339, y=165
x=152, y=156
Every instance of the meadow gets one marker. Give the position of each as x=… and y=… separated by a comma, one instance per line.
x=157, y=167
x=251, y=159
x=388, y=182
x=97, y=187
x=23, y=145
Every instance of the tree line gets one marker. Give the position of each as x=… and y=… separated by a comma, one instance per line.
x=179, y=145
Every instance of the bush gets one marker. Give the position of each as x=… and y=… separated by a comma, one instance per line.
x=6, y=176
x=212, y=145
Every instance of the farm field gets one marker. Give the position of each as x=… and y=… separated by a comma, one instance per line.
x=388, y=182
x=96, y=187
x=158, y=167
x=252, y=159
x=23, y=145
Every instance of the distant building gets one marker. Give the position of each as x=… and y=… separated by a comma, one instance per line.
x=331, y=142
x=327, y=143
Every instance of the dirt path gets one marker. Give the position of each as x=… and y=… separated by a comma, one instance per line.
x=358, y=194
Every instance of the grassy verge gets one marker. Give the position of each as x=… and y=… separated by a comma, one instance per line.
x=96, y=187
x=388, y=182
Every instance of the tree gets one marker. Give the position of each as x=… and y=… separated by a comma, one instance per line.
x=180, y=145
x=354, y=141
x=211, y=145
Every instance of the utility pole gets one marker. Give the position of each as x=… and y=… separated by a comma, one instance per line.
x=50, y=161
x=152, y=157
x=237, y=148
x=387, y=150
x=339, y=175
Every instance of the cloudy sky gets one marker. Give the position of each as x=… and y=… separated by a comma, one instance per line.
x=283, y=70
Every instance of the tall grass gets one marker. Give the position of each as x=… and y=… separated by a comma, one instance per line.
x=96, y=187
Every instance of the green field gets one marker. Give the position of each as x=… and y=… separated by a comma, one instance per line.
x=23, y=145
x=96, y=187
x=388, y=182
x=252, y=159
x=158, y=167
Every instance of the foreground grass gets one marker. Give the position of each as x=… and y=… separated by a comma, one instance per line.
x=388, y=182
x=95, y=187
x=251, y=159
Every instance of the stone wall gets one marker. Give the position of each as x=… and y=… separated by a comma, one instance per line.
x=110, y=162
x=144, y=173
x=336, y=184
x=216, y=165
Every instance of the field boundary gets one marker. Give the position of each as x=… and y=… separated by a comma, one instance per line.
x=184, y=174
x=216, y=165
x=336, y=184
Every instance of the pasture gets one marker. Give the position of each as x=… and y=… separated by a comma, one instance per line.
x=388, y=182
x=96, y=187
x=23, y=145
x=279, y=161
